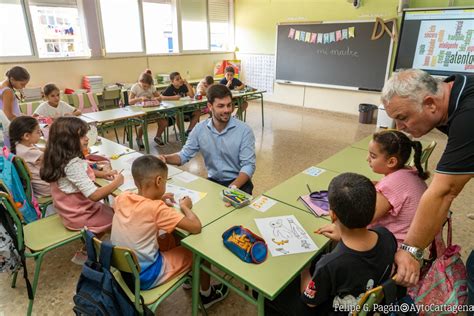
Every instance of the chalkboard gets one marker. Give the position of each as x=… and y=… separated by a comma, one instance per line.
x=339, y=54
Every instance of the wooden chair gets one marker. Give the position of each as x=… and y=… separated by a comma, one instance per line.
x=37, y=239
x=124, y=260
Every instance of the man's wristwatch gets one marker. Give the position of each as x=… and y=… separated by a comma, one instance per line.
x=416, y=253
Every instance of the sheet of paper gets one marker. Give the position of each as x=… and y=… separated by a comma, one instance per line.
x=128, y=183
x=314, y=171
x=284, y=235
x=180, y=192
x=262, y=204
x=185, y=177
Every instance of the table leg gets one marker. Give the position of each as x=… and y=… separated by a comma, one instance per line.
x=239, y=108
x=260, y=304
x=181, y=127
x=261, y=104
x=145, y=135
x=196, y=283
x=129, y=127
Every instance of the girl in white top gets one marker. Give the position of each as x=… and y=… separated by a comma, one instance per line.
x=24, y=135
x=54, y=107
x=142, y=91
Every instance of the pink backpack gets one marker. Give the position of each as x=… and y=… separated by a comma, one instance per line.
x=443, y=279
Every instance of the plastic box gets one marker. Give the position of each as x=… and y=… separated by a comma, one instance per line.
x=244, y=197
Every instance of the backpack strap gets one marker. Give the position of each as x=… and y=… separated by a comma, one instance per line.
x=9, y=227
x=450, y=231
x=91, y=255
x=80, y=97
x=106, y=254
x=90, y=96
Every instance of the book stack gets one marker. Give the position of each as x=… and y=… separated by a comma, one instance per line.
x=32, y=94
x=93, y=83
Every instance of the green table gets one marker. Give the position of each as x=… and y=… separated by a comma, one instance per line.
x=350, y=159
x=242, y=96
x=211, y=207
x=289, y=191
x=268, y=278
x=114, y=118
x=364, y=143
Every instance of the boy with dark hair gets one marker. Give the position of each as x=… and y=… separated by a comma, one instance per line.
x=140, y=220
x=330, y=286
x=233, y=84
x=178, y=88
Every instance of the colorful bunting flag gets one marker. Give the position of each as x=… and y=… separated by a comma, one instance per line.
x=326, y=38
x=332, y=37
x=351, y=32
x=313, y=38
x=302, y=36
x=292, y=33
x=297, y=35
x=344, y=34
x=308, y=37
x=320, y=37
x=338, y=35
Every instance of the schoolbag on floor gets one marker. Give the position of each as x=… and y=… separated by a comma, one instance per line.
x=98, y=293
x=10, y=178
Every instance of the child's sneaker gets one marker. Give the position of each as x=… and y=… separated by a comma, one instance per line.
x=80, y=257
x=140, y=143
x=218, y=293
x=159, y=141
x=187, y=285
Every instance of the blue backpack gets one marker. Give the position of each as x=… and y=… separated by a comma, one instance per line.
x=98, y=293
x=10, y=178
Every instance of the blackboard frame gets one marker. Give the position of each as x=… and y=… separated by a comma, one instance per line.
x=387, y=62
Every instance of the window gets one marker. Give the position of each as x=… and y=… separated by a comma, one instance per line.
x=219, y=22
x=121, y=24
x=194, y=29
x=58, y=28
x=15, y=39
x=160, y=32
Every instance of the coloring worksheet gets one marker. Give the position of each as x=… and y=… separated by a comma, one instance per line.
x=180, y=192
x=284, y=235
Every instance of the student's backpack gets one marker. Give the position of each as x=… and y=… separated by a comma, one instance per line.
x=98, y=293
x=12, y=256
x=11, y=180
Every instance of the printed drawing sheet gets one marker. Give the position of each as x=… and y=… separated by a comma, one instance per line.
x=180, y=192
x=285, y=235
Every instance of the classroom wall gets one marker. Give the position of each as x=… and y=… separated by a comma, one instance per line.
x=255, y=33
x=68, y=73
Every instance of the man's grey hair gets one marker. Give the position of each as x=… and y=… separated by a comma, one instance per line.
x=413, y=84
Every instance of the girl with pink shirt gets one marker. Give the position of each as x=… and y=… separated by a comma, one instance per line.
x=401, y=188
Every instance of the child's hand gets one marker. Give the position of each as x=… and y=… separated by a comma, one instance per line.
x=229, y=82
x=109, y=175
x=118, y=179
x=168, y=198
x=330, y=231
x=162, y=158
x=186, y=202
x=158, y=98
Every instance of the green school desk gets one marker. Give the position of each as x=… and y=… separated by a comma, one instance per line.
x=350, y=159
x=114, y=118
x=107, y=148
x=242, y=96
x=268, y=278
x=211, y=207
x=289, y=191
x=364, y=143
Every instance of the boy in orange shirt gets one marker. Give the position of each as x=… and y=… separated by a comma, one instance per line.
x=142, y=219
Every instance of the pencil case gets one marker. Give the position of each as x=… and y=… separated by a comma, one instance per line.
x=236, y=197
x=246, y=245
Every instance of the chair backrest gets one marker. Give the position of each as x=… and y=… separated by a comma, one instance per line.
x=111, y=97
x=28, y=108
x=425, y=155
x=25, y=176
x=14, y=213
x=375, y=296
x=125, y=260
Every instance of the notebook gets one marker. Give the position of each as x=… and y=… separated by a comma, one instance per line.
x=313, y=208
